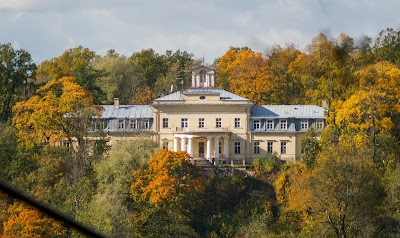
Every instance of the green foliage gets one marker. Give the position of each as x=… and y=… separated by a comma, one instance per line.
x=310, y=147
x=16, y=71
x=110, y=209
x=387, y=46
x=267, y=165
x=75, y=62
x=346, y=194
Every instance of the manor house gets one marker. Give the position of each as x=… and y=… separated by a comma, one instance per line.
x=210, y=123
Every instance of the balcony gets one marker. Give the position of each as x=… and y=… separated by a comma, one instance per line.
x=200, y=129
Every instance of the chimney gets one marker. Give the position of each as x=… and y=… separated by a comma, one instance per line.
x=116, y=102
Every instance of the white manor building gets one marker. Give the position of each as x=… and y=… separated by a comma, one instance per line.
x=211, y=123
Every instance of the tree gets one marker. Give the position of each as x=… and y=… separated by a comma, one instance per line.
x=233, y=57
x=16, y=72
x=164, y=194
x=153, y=65
x=110, y=209
x=387, y=46
x=326, y=69
x=25, y=222
x=346, y=194
x=310, y=146
x=60, y=110
x=251, y=79
x=122, y=77
x=75, y=62
x=286, y=88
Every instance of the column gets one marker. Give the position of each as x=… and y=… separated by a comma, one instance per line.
x=183, y=143
x=175, y=144
x=208, y=155
x=197, y=80
x=216, y=147
x=212, y=80
x=207, y=81
x=190, y=146
x=193, y=80
x=226, y=147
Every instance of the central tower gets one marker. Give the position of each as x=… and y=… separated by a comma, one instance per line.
x=203, y=77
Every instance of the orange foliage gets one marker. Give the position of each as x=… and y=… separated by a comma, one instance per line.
x=145, y=96
x=30, y=223
x=169, y=177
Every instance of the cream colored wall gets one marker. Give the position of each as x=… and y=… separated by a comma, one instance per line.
x=292, y=144
x=227, y=121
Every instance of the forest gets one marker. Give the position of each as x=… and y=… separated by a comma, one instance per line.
x=346, y=185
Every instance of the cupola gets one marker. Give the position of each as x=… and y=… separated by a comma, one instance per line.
x=203, y=77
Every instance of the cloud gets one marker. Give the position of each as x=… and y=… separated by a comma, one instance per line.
x=46, y=28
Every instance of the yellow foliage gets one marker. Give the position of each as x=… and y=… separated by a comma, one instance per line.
x=46, y=116
x=362, y=115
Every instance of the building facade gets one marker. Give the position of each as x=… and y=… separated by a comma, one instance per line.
x=210, y=123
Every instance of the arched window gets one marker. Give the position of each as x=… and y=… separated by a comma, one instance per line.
x=203, y=74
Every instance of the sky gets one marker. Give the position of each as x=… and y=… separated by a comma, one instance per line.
x=206, y=28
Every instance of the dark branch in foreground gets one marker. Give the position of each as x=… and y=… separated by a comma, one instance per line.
x=18, y=194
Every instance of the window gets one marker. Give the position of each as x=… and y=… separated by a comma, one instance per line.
x=320, y=124
x=237, y=122
x=203, y=76
x=145, y=124
x=256, y=147
x=256, y=124
x=304, y=124
x=220, y=147
x=283, y=124
x=121, y=124
x=270, y=148
x=218, y=122
x=165, y=122
x=270, y=124
x=237, y=147
x=103, y=124
x=184, y=123
x=165, y=144
x=133, y=125
x=201, y=122
x=283, y=147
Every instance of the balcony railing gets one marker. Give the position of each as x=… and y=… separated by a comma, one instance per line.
x=201, y=129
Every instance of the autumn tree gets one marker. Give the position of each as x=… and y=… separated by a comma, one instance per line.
x=244, y=72
x=164, y=194
x=224, y=64
x=286, y=87
x=75, y=62
x=16, y=72
x=61, y=109
x=326, y=68
x=26, y=222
